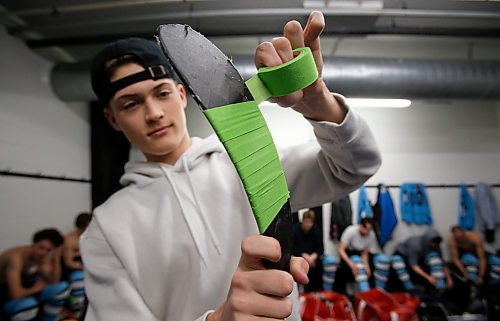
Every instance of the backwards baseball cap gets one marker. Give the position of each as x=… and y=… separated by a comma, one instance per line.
x=148, y=54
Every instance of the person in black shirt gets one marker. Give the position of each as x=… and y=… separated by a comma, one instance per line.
x=307, y=243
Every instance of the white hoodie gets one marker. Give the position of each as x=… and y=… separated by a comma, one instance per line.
x=165, y=246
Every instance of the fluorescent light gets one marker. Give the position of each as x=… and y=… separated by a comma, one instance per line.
x=378, y=103
x=366, y=103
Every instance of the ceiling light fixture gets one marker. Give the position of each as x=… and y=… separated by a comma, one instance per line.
x=367, y=103
x=378, y=103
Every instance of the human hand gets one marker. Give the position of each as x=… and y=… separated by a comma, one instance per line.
x=310, y=259
x=306, y=257
x=354, y=268
x=315, y=101
x=432, y=280
x=256, y=292
x=313, y=258
x=38, y=286
x=368, y=271
x=449, y=282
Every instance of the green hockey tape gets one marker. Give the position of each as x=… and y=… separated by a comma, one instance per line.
x=284, y=79
x=243, y=131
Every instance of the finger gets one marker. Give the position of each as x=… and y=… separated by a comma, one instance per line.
x=299, y=269
x=314, y=27
x=263, y=306
x=257, y=247
x=275, y=308
x=294, y=33
x=266, y=55
x=271, y=282
x=284, y=48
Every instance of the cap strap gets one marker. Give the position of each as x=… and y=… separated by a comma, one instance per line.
x=153, y=72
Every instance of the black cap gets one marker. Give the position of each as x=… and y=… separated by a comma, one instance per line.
x=149, y=55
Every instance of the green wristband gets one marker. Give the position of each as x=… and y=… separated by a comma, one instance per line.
x=284, y=79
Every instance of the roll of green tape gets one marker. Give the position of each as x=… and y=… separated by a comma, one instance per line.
x=284, y=79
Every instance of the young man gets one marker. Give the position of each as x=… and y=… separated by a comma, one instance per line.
x=354, y=250
x=29, y=278
x=179, y=242
x=72, y=267
x=422, y=254
x=72, y=260
x=467, y=254
x=307, y=243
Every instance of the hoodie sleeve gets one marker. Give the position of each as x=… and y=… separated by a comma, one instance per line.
x=346, y=157
x=111, y=294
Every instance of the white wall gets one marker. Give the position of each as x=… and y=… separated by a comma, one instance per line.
x=445, y=142
x=437, y=143
x=38, y=134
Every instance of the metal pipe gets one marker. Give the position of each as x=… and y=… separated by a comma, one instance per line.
x=280, y=11
x=354, y=77
x=221, y=13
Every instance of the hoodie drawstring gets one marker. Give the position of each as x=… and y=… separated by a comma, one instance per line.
x=188, y=223
x=176, y=193
x=200, y=208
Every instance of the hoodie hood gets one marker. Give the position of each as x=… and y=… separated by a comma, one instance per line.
x=417, y=246
x=430, y=235
x=143, y=173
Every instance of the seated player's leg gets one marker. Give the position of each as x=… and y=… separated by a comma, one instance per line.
x=23, y=309
x=382, y=268
x=361, y=277
x=52, y=299
x=436, y=266
x=330, y=265
x=398, y=264
x=76, y=296
x=471, y=264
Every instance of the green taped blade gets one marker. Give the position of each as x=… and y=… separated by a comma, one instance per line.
x=244, y=133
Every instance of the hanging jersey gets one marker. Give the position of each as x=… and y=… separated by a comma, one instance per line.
x=341, y=217
x=364, y=206
x=466, y=210
x=388, y=219
x=414, y=204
